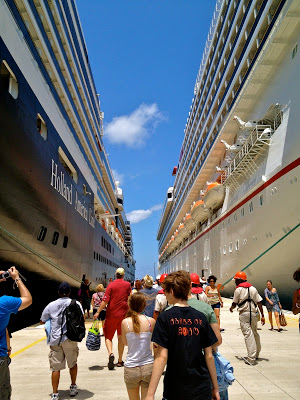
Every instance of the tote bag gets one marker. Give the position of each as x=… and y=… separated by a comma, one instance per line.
x=93, y=339
x=282, y=319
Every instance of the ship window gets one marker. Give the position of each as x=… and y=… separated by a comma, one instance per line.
x=41, y=126
x=237, y=245
x=9, y=80
x=55, y=238
x=250, y=206
x=230, y=247
x=242, y=212
x=229, y=221
x=235, y=217
x=42, y=233
x=65, y=242
x=261, y=199
x=224, y=249
x=67, y=164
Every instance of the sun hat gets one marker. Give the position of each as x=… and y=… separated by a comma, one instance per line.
x=148, y=281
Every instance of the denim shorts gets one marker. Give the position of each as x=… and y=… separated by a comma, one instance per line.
x=218, y=305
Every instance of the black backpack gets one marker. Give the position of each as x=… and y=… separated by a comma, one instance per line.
x=74, y=322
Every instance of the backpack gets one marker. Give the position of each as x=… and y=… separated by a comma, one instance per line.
x=74, y=322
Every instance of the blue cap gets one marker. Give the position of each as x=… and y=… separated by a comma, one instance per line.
x=64, y=288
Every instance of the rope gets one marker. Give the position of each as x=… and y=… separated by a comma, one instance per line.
x=20, y=242
x=221, y=286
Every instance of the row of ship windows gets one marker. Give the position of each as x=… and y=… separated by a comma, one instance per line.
x=234, y=91
x=42, y=235
x=107, y=245
x=104, y=260
x=9, y=80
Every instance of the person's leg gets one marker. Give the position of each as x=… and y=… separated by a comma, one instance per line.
x=120, y=348
x=134, y=394
x=144, y=391
x=73, y=374
x=217, y=312
x=248, y=335
x=5, y=387
x=108, y=344
x=277, y=319
x=55, y=380
x=256, y=335
x=270, y=318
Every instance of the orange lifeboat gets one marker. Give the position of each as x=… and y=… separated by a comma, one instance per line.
x=214, y=195
x=182, y=232
x=199, y=212
x=188, y=222
x=171, y=246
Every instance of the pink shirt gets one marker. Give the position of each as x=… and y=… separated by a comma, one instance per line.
x=116, y=295
x=98, y=297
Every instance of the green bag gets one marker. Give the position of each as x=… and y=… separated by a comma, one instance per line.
x=93, y=339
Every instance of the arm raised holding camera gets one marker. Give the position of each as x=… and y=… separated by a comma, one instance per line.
x=25, y=295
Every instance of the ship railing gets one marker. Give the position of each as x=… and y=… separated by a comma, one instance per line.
x=208, y=43
x=244, y=164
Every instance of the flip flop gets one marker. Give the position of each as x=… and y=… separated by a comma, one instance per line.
x=111, y=360
x=120, y=364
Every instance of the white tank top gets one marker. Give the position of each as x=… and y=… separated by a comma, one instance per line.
x=139, y=350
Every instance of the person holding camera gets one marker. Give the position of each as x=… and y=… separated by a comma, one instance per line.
x=9, y=305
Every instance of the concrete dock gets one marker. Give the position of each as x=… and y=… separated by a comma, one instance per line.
x=275, y=376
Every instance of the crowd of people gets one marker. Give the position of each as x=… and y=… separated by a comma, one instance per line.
x=172, y=322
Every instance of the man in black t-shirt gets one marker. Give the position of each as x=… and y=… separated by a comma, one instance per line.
x=183, y=339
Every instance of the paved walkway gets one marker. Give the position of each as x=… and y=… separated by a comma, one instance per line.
x=275, y=377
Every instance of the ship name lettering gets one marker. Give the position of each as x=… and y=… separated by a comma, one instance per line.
x=58, y=182
x=79, y=207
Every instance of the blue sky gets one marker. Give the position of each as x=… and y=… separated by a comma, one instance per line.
x=145, y=57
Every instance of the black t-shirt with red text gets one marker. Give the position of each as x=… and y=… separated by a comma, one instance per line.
x=185, y=332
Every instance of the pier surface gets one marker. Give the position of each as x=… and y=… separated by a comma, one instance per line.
x=275, y=376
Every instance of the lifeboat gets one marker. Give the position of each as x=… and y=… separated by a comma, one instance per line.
x=188, y=222
x=176, y=238
x=182, y=232
x=171, y=246
x=214, y=195
x=199, y=212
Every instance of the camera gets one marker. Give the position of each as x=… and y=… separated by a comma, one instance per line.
x=5, y=275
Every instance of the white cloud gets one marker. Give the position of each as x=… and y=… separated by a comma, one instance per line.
x=133, y=129
x=118, y=177
x=137, y=216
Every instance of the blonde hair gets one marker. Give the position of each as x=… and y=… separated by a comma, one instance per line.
x=137, y=303
x=100, y=288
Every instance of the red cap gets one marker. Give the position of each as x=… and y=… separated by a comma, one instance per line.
x=162, y=278
x=240, y=275
x=195, y=278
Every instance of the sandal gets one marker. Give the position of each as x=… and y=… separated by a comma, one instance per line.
x=120, y=364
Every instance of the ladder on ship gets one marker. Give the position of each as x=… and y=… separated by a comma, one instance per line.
x=244, y=163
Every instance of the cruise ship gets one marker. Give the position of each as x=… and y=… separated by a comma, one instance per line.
x=234, y=204
x=61, y=210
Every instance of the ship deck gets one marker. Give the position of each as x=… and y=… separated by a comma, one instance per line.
x=274, y=376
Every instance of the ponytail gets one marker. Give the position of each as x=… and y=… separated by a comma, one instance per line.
x=135, y=321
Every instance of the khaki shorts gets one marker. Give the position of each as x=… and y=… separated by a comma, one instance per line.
x=67, y=350
x=138, y=376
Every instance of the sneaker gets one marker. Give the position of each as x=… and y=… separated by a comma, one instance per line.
x=249, y=361
x=73, y=390
x=111, y=360
x=54, y=396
